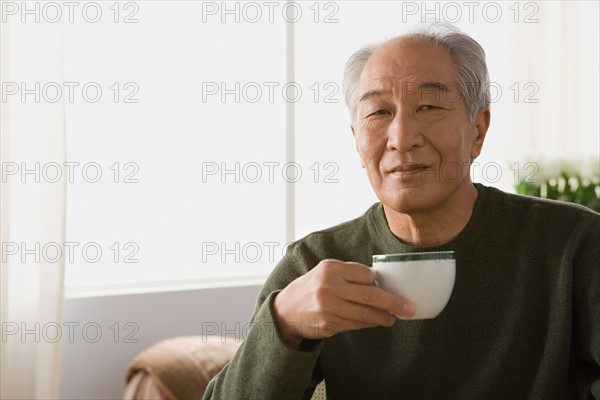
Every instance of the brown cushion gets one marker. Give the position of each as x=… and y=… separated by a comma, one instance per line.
x=181, y=367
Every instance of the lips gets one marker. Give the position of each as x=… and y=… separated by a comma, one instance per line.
x=409, y=168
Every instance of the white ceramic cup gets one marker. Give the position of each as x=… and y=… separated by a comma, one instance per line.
x=425, y=279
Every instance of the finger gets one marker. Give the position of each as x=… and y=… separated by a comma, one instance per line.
x=359, y=313
x=364, y=315
x=373, y=296
x=338, y=325
x=342, y=325
x=351, y=271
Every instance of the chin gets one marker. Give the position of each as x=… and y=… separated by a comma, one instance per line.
x=413, y=199
x=407, y=203
x=407, y=207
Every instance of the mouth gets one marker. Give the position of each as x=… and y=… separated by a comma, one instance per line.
x=408, y=169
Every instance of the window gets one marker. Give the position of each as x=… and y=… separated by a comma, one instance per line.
x=207, y=135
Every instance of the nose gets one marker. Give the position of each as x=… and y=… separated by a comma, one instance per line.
x=404, y=133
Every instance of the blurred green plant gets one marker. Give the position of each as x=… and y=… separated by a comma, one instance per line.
x=570, y=188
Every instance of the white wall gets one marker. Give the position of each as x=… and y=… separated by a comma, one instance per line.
x=97, y=370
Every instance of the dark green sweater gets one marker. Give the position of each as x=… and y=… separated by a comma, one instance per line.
x=523, y=321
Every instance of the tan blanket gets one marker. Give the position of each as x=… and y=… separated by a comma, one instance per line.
x=181, y=367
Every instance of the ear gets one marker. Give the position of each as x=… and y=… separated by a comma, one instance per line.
x=362, y=163
x=480, y=128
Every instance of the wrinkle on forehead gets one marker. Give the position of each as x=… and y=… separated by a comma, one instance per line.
x=405, y=69
x=407, y=60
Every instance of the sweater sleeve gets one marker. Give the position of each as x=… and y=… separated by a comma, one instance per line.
x=586, y=308
x=265, y=367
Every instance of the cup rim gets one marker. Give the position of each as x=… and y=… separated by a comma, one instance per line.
x=415, y=256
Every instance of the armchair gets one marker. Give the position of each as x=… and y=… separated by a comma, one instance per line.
x=180, y=368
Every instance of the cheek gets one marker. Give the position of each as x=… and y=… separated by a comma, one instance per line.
x=370, y=147
x=370, y=151
x=454, y=146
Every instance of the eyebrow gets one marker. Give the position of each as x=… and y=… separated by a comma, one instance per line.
x=434, y=85
x=372, y=93
x=427, y=85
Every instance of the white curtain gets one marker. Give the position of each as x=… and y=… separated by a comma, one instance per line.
x=32, y=210
x=567, y=43
x=548, y=70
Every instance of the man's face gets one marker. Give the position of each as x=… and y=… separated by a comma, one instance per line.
x=412, y=130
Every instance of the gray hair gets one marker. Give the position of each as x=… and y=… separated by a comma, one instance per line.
x=467, y=54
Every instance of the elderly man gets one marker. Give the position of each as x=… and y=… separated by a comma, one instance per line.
x=523, y=321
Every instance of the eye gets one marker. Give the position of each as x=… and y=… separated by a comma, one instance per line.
x=380, y=112
x=426, y=107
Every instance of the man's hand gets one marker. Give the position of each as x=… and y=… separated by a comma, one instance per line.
x=334, y=297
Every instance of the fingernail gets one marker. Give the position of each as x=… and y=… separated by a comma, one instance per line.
x=408, y=310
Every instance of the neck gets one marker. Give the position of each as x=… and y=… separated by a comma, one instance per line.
x=435, y=226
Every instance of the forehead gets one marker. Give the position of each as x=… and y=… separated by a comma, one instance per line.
x=402, y=62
